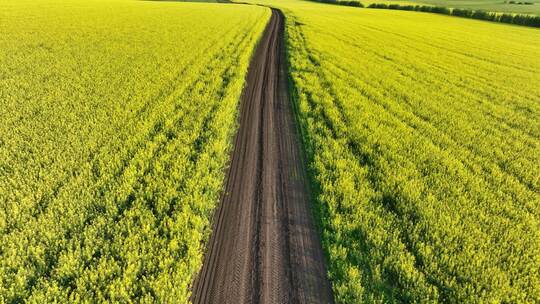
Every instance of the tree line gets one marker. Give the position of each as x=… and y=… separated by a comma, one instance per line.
x=518, y=19
x=354, y=3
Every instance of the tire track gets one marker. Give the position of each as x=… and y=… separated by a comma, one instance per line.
x=264, y=247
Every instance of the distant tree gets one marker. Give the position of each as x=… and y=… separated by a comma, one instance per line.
x=462, y=12
x=526, y=20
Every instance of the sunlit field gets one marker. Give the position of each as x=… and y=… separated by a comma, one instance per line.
x=423, y=134
x=116, y=121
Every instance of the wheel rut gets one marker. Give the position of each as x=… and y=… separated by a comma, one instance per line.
x=264, y=246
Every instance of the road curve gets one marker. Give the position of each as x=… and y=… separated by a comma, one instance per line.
x=264, y=247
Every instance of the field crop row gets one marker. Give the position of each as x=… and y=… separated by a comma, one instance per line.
x=116, y=119
x=423, y=134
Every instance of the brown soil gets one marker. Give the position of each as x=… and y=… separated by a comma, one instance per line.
x=264, y=247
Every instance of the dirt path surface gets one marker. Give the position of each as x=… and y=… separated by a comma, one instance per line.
x=264, y=247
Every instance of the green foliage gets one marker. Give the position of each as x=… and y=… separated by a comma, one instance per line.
x=354, y=3
x=531, y=7
x=423, y=135
x=519, y=2
x=526, y=20
x=116, y=125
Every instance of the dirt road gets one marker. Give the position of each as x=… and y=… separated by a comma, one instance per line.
x=264, y=248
